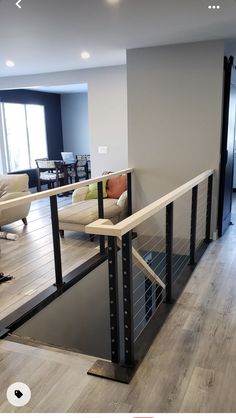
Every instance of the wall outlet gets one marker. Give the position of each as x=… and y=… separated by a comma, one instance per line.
x=102, y=150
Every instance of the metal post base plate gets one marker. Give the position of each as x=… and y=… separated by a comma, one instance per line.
x=111, y=371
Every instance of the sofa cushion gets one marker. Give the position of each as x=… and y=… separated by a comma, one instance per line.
x=93, y=190
x=15, y=182
x=85, y=212
x=116, y=186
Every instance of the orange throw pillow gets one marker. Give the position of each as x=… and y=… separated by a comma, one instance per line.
x=116, y=186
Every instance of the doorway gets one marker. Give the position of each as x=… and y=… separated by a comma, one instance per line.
x=227, y=149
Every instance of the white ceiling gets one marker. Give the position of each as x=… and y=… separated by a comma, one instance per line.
x=69, y=88
x=49, y=35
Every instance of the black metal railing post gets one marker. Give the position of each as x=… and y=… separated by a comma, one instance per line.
x=128, y=299
x=114, y=299
x=169, y=251
x=193, y=225
x=129, y=193
x=56, y=240
x=101, y=214
x=208, y=210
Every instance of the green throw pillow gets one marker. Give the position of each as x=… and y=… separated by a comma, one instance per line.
x=93, y=190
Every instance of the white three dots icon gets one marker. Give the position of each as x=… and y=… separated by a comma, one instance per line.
x=214, y=7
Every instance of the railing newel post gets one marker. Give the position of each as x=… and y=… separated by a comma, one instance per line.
x=114, y=299
x=101, y=214
x=209, y=208
x=129, y=193
x=128, y=299
x=56, y=240
x=193, y=226
x=169, y=251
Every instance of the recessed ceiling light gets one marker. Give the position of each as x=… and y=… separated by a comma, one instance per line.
x=113, y=1
x=10, y=63
x=85, y=55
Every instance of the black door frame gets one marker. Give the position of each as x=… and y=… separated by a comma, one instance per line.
x=228, y=65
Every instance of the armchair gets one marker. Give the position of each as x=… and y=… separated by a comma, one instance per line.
x=82, y=212
x=11, y=187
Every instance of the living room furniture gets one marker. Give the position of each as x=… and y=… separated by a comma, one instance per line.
x=81, y=169
x=50, y=172
x=83, y=166
x=11, y=187
x=81, y=212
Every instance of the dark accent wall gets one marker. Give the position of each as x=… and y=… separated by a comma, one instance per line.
x=52, y=105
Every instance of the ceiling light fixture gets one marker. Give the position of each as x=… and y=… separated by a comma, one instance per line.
x=113, y=1
x=85, y=55
x=10, y=63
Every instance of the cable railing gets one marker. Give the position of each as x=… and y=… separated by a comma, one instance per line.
x=148, y=258
x=151, y=255
x=59, y=263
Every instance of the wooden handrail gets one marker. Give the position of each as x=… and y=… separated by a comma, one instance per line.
x=58, y=190
x=140, y=262
x=100, y=227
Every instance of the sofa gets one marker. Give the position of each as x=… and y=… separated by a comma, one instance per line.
x=84, y=210
x=11, y=187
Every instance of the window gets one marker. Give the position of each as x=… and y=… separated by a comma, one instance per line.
x=24, y=135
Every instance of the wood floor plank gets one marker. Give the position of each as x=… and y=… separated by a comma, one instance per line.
x=203, y=391
x=30, y=258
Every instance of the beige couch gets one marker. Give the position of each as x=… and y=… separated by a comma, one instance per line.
x=11, y=187
x=82, y=212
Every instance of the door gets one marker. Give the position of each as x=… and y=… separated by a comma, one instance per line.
x=227, y=150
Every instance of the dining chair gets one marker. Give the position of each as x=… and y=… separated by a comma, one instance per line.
x=50, y=172
x=83, y=167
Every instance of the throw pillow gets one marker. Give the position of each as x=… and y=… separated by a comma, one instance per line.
x=93, y=190
x=116, y=186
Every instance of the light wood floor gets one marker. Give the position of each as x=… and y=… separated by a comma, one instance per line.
x=30, y=258
x=191, y=367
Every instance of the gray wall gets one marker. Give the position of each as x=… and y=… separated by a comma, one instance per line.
x=78, y=319
x=74, y=113
x=108, y=119
x=174, y=115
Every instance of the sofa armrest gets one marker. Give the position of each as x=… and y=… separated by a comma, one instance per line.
x=15, y=213
x=122, y=202
x=79, y=194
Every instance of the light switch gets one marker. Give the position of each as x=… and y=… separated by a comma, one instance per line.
x=102, y=150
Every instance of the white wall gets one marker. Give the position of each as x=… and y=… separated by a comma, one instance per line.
x=74, y=115
x=107, y=105
x=174, y=115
